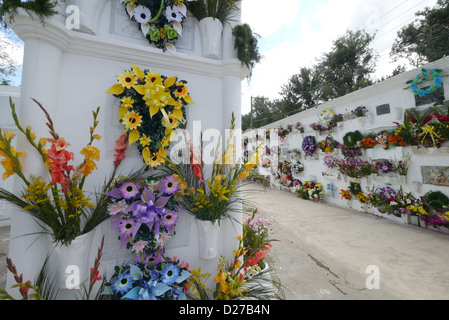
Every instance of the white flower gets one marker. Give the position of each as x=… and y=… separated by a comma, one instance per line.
x=393, y=203
x=139, y=246
x=117, y=207
x=142, y=14
x=173, y=14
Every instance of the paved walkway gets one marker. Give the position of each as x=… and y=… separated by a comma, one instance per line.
x=324, y=252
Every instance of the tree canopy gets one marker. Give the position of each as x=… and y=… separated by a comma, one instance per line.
x=427, y=38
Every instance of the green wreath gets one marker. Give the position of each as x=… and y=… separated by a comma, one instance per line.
x=350, y=139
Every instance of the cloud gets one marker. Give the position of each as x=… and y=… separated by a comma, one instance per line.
x=265, y=16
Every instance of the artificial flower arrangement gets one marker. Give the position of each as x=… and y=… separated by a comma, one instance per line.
x=355, y=188
x=423, y=77
x=211, y=197
x=328, y=145
x=297, y=168
x=60, y=204
x=368, y=142
x=305, y=188
x=427, y=128
x=152, y=107
x=160, y=21
x=436, y=205
x=284, y=131
x=328, y=120
x=345, y=194
x=316, y=193
x=145, y=212
x=240, y=278
x=309, y=146
x=359, y=112
x=165, y=280
x=298, y=126
x=331, y=162
x=256, y=232
x=351, y=139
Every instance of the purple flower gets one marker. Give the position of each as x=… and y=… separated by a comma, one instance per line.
x=169, y=185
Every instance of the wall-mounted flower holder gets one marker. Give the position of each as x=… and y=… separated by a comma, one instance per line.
x=380, y=153
x=211, y=30
x=429, y=151
x=390, y=179
x=207, y=239
x=416, y=186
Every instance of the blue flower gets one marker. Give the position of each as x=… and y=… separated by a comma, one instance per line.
x=169, y=274
x=123, y=284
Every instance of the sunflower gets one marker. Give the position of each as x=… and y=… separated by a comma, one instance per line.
x=153, y=77
x=127, y=79
x=181, y=90
x=171, y=122
x=131, y=120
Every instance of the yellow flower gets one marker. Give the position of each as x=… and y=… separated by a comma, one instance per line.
x=127, y=79
x=91, y=153
x=181, y=90
x=153, y=77
x=127, y=102
x=154, y=159
x=243, y=175
x=145, y=141
x=132, y=120
x=88, y=167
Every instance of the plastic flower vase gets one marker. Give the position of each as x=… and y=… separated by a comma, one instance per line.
x=208, y=234
x=72, y=261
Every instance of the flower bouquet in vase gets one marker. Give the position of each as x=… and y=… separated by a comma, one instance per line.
x=60, y=205
x=210, y=193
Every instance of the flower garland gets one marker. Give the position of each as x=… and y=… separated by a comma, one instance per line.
x=160, y=21
x=309, y=145
x=152, y=107
x=165, y=281
x=145, y=213
x=424, y=76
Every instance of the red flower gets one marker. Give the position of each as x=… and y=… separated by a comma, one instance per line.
x=95, y=277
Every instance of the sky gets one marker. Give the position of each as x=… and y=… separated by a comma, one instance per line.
x=294, y=33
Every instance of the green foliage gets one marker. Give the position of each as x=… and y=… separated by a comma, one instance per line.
x=425, y=39
x=436, y=199
x=246, y=45
x=222, y=10
x=42, y=8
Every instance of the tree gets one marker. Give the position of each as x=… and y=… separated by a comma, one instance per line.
x=264, y=112
x=427, y=38
x=8, y=67
x=301, y=91
x=348, y=66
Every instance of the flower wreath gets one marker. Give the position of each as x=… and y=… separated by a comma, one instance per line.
x=424, y=76
x=309, y=145
x=326, y=116
x=152, y=107
x=160, y=20
x=350, y=139
x=145, y=213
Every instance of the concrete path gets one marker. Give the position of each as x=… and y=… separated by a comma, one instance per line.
x=324, y=252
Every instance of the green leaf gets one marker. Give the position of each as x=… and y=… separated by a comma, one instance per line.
x=410, y=81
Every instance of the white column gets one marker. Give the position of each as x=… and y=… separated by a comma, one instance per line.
x=40, y=80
